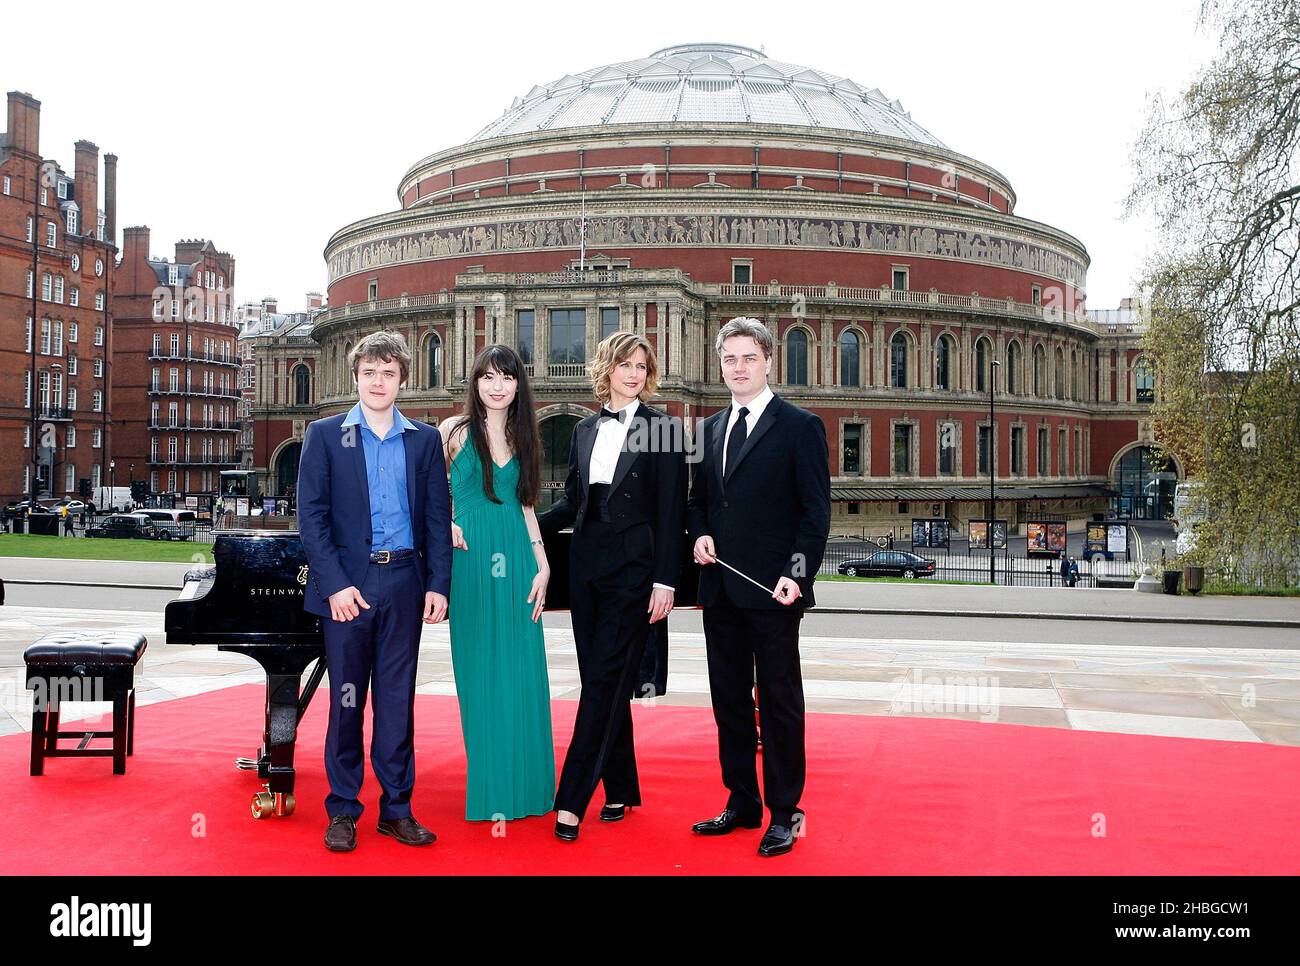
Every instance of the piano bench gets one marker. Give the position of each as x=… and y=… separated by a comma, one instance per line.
x=83, y=666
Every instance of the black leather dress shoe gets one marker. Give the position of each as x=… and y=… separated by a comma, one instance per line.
x=407, y=831
x=567, y=833
x=341, y=836
x=777, y=840
x=724, y=823
x=614, y=813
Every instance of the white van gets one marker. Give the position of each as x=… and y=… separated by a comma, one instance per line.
x=171, y=524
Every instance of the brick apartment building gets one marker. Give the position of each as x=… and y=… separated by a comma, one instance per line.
x=176, y=378
x=56, y=322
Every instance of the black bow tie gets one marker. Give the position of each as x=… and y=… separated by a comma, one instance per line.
x=607, y=414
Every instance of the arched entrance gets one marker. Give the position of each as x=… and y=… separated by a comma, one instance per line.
x=286, y=469
x=557, y=433
x=1146, y=485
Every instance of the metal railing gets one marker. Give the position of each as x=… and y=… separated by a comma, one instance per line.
x=1008, y=571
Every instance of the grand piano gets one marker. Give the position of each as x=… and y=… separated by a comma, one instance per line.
x=250, y=603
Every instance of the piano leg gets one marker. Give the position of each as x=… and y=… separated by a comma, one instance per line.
x=275, y=763
x=313, y=682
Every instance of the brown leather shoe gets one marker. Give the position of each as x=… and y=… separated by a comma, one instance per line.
x=341, y=836
x=407, y=831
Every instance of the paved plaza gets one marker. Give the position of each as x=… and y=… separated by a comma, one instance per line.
x=869, y=658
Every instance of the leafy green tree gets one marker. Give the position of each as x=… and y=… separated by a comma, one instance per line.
x=1219, y=168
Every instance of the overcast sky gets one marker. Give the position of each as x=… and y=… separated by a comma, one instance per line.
x=266, y=127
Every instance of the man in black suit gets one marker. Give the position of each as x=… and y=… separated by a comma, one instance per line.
x=760, y=501
x=625, y=498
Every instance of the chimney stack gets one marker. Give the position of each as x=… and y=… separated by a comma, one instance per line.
x=189, y=251
x=86, y=184
x=135, y=243
x=24, y=131
x=110, y=199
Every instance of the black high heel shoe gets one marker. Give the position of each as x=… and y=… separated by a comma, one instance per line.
x=614, y=813
x=566, y=833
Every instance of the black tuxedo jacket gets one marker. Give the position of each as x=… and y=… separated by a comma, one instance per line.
x=772, y=514
x=649, y=486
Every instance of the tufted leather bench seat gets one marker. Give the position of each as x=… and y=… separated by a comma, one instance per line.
x=83, y=666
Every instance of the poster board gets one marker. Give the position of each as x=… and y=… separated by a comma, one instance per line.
x=1045, y=538
x=929, y=533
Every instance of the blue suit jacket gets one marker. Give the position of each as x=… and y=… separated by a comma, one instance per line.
x=334, y=509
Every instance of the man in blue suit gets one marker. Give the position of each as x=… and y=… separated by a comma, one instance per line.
x=375, y=518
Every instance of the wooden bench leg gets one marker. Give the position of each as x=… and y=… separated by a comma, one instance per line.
x=130, y=723
x=119, y=734
x=52, y=723
x=38, y=738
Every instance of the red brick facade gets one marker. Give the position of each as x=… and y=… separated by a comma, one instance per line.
x=841, y=241
x=176, y=379
x=56, y=320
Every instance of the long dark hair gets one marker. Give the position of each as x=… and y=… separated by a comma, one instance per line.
x=521, y=423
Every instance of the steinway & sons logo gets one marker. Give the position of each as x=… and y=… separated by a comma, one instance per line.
x=282, y=591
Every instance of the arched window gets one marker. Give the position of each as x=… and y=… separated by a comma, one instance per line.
x=898, y=361
x=943, y=369
x=1058, y=390
x=344, y=371
x=982, y=365
x=1076, y=376
x=796, y=358
x=850, y=354
x=1144, y=380
x=433, y=362
x=301, y=385
x=1013, y=368
x=1040, y=370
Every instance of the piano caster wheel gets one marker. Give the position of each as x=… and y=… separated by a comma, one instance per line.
x=263, y=805
x=285, y=803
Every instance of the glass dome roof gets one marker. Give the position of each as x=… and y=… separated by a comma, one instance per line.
x=705, y=83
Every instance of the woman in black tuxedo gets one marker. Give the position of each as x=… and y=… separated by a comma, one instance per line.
x=625, y=498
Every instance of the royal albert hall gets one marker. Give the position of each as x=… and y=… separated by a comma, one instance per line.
x=669, y=194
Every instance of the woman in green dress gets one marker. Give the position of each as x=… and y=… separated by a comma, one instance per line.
x=498, y=590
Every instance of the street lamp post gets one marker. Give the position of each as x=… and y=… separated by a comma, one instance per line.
x=993, y=452
x=112, y=483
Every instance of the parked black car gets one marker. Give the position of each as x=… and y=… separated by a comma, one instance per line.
x=889, y=563
x=125, y=526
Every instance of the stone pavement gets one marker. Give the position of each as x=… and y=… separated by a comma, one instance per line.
x=1222, y=693
x=917, y=597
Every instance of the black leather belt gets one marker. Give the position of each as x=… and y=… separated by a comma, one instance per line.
x=390, y=556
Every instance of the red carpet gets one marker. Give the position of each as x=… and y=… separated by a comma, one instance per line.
x=884, y=795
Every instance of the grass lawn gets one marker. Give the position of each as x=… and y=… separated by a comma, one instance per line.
x=1247, y=590
x=80, y=548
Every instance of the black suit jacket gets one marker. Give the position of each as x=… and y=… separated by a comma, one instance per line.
x=649, y=486
x=770, y=518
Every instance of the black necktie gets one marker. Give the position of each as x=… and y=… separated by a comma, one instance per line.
x=736, y=441
x=606, y=414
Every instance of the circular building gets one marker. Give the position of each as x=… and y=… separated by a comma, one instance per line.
x=669, y=194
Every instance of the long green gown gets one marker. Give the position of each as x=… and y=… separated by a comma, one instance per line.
x=497, y=652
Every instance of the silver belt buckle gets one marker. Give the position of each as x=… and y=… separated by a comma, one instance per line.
x=385, y=556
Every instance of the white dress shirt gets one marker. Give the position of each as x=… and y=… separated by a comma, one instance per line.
x=610, y=437
x=755, y=407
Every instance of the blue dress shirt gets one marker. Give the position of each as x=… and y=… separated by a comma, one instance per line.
x=390, y=510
